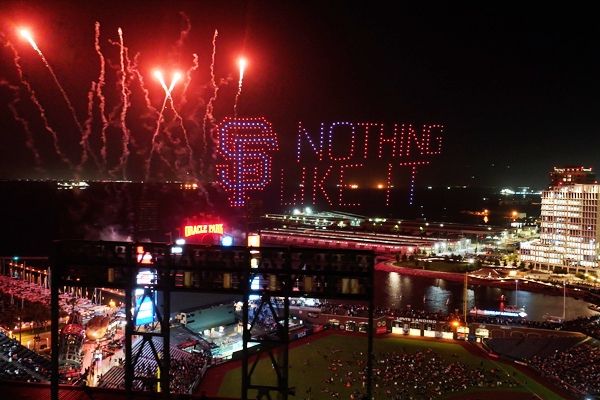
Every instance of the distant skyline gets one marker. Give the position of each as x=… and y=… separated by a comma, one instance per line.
x=515, y=89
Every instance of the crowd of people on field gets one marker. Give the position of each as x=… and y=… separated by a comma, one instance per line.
x=577, y=368
x=403, y=376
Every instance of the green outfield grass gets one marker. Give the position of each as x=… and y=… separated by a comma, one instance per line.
x=314, y=375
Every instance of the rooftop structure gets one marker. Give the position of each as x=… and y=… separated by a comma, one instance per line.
x=380, y=243
x=571, y=175
x=308, y=217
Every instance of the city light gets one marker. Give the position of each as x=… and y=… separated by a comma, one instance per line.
x=227, y=240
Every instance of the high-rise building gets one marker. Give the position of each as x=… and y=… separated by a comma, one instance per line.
x=569, y=231
x=146, y=219
x=571, y=175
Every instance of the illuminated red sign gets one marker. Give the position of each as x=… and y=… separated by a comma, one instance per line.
x=191, y=230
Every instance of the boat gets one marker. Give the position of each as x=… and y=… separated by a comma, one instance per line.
x=554, y=320
x=496, y=313
x=477, y=311
x=512, y=308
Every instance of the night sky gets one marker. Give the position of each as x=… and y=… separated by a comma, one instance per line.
x=516, y=87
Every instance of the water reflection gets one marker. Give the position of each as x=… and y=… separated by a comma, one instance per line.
x=395, y=288
x=420, y=293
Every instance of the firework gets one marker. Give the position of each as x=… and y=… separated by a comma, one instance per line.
x=35, y=101
x=178, y=117
x=27, y=36
x=158, y=76
x=239, y=92
x=208, y=115
x=29, y=142
x=100, y=95
x=168, y=91
x=125, y=99
x=190, y=152
x=117, y=114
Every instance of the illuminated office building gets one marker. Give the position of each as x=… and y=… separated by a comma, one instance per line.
x=568, y=231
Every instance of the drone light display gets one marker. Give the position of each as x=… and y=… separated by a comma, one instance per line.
x=245, y=144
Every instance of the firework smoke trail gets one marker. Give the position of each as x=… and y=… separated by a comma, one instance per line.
x=237, y=96
x=158, y=75
x=29, y=142
x=30, y=40
x=178, y=46
x=136, y=73
x=125, y=96
x=208, y=116
x=185, y=137
x=189, y=79
x=85, y=143
x=39, y=106
x=182, y=36
x=100, y=95
x=160, y=120
x=153, y=148
x=88, y=129
x=176, y=113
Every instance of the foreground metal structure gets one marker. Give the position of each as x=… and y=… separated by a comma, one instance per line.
x=272, y=275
